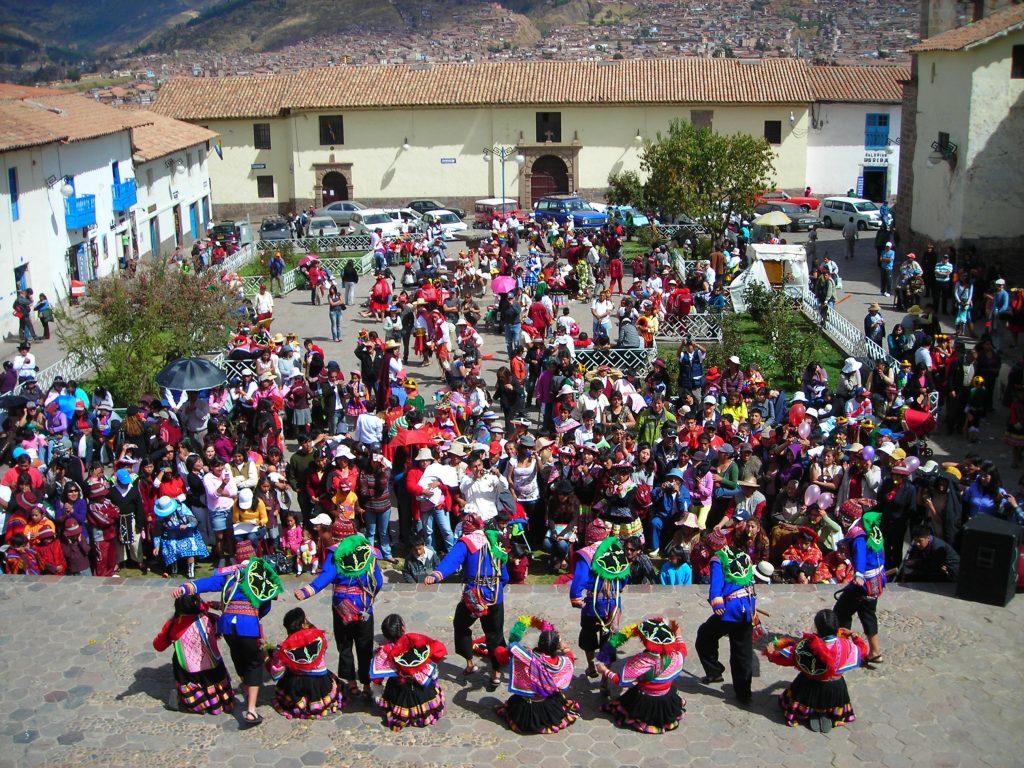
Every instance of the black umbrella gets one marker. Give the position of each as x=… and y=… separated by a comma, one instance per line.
x=190, y=374
x=13, y=401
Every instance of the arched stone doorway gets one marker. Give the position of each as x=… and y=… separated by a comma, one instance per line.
x=335, y=187
x=549, y=175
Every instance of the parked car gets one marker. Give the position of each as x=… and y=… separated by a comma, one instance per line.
x=836, y=211
x=422, y=206
x=484, y=210
x=450, y=223
x=232, y=233
x=368, y=219
x=568, y=209
x=410, y=219
x=341, y=211
x=623, y=212
x=777, y=195
x=323, y=226
x=275, y=228
x=801, y=219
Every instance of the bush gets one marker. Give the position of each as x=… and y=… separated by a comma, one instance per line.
x=129, y=328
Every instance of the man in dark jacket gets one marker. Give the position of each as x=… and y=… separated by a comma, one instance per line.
x=629, y=336
x=930, y=558
x=332, y=398
x=131, y=521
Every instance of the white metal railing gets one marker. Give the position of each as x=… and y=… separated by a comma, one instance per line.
x=702, y=326
x=320, y=244
x=69, y=369
x=639, y=360
x=334, y=265
x=245, y=255
x=847, y=336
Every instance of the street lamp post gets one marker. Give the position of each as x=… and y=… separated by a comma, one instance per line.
x=503, y=152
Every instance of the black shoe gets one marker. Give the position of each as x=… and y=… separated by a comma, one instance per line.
x=708, y=679
x=744, y=700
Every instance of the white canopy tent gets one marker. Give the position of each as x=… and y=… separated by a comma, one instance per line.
x=778, y=265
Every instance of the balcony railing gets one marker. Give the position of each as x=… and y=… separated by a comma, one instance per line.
x=124, y=195
x=80, y=211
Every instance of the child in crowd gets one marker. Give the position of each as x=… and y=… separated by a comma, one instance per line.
x=291, y=537
x=675, y=571
x=307, y=555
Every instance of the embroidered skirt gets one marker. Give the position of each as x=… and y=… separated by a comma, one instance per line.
x=807, y=698
x=647, y=714
x=407, y=703
x=550, y=715
x=308, y=697
x=208, y=692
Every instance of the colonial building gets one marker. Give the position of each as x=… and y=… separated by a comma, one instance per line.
x=964, y=143
x=171, y=168
x=69, y=199
x=388, y=134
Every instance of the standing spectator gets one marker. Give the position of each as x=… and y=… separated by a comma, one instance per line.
x=45, y=314
x=850, y=236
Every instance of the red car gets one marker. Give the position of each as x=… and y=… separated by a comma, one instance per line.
x=777, y=195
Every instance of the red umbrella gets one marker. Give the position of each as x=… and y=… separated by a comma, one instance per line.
x=502, y=284
x=308, y=259
x=409, y=437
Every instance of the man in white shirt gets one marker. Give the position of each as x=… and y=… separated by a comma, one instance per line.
x=480, y=487
x=194, y=417
x=594, y=400
x=601, y=310
x=24, y=362
x=369, y=430
x=263, y=303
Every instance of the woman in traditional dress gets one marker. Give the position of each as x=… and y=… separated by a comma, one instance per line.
x=200, y=678
x=537, y=681
x=178, y=536
x=650, y=705
x=306, y=688
x=408, y=663
x=819, y=696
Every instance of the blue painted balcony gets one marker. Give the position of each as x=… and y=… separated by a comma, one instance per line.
x=124, y=195
x=80, y=211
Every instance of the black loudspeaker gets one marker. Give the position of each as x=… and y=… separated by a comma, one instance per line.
x=989, y=550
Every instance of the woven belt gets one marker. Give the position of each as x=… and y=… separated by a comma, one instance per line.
x=240, y=609
x=745, y=592
x=348, y=589
x=485, y=582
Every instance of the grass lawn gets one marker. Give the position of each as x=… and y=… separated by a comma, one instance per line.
x=830, y=356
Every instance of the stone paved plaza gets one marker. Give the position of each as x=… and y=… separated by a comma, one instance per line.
x=83, y=687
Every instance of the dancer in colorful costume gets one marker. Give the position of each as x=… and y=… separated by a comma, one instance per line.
x=408, y=663
x=306, y=688
x=537, y=680
x=600, y=575
x=202, y=682
x=482, y=555
x=246, y=590
x=651, y=705
x=733, y=601
x=818, y=695
x=860, y=596
x=353, y=571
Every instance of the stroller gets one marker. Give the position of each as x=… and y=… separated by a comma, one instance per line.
x=917, y=425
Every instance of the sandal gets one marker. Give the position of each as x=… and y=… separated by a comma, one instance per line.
x=251, y=719
x=469, y=670
x=876, y=659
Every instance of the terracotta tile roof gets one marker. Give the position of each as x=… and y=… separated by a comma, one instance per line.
x=875, y=85
x=654, y=81
x=163, y=135
x=40, y=116
x=999, y=23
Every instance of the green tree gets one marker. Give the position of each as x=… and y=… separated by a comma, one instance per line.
x=625, y=188
x=705, y=174
x=129, y=328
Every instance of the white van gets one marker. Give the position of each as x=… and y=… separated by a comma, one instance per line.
x=836, y=211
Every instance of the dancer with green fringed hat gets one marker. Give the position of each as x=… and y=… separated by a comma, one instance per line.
x=352, y=568
x=600, y=575
x=860, y=596
x=246, y=591
x=481, y=554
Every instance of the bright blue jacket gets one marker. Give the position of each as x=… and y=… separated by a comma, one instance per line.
x=868, y=565
x=238, y=617
x=584, y=581
x=670, y=507
x=737, y=609
x=358, y=590
x=490, y=584
x=676, y=577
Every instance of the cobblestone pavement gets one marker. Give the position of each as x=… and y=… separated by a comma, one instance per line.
x=83, y=686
